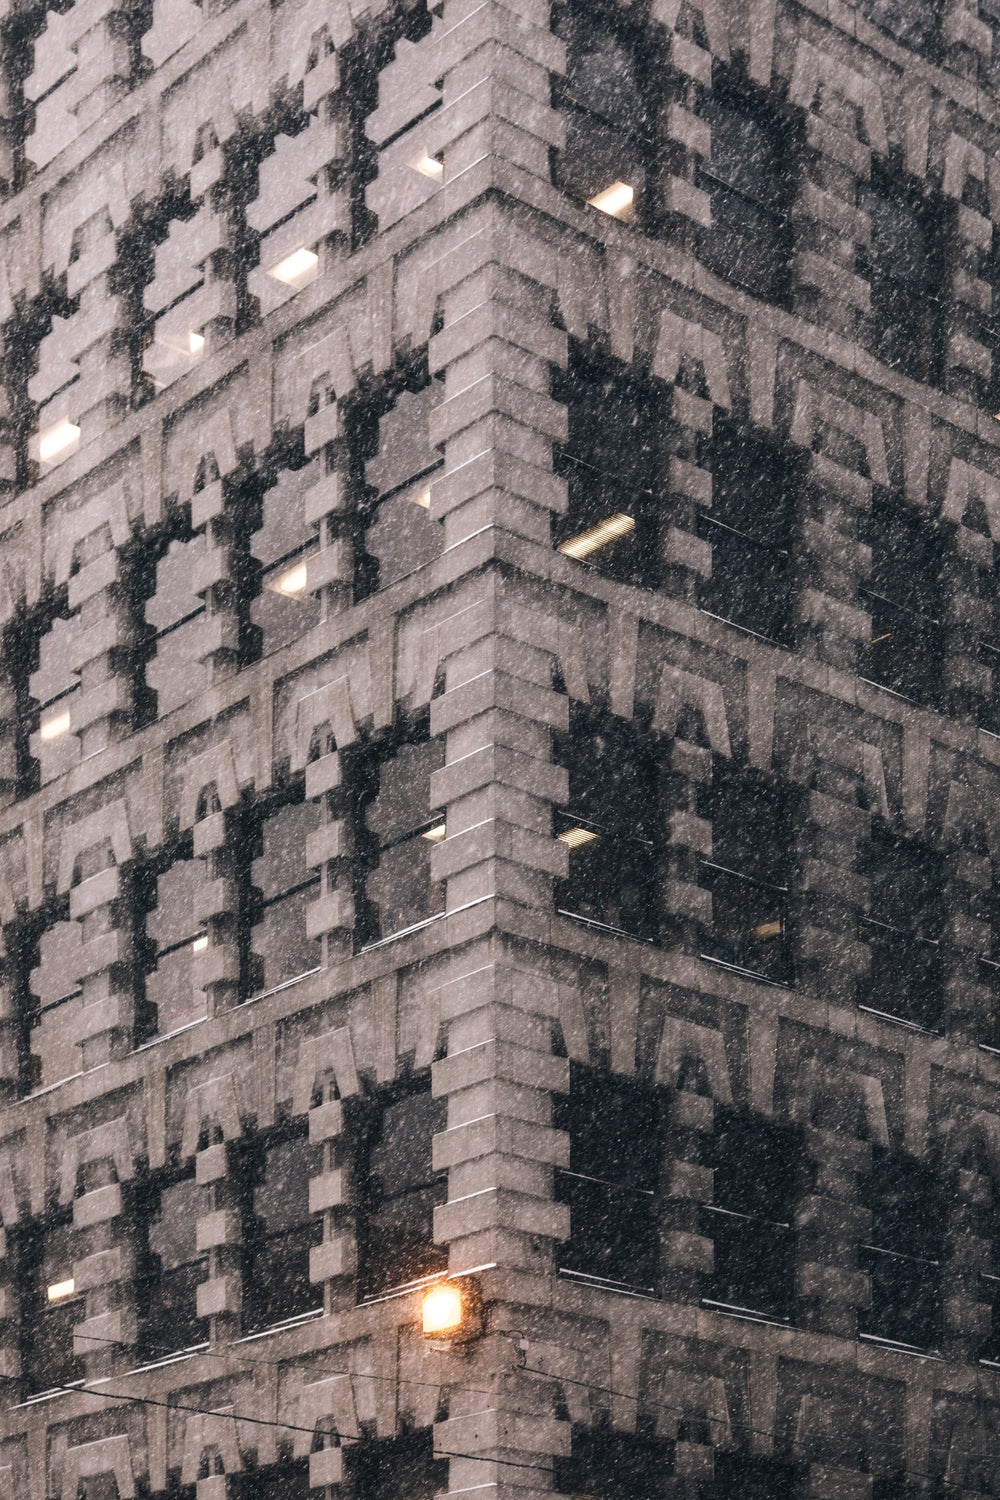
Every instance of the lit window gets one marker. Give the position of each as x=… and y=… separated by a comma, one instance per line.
x=612, y=1182
x=57, y=442
x=284, y=546
x=173, y=998
x=747, y=873
x=610, y=827
x=400, y=1189
x=297, y=269
x=50, y=1306
x=613, y=460
x=605, y=102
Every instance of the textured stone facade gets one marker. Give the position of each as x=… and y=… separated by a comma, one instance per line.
x=297, y=678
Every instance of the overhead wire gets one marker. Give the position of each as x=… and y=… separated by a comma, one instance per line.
x=684, y=1412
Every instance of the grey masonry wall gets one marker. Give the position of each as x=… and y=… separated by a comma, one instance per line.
x=159, y=163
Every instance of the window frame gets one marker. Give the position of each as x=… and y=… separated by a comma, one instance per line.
x=152, y=1277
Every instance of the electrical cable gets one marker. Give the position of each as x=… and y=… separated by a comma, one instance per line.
x=699, y=1416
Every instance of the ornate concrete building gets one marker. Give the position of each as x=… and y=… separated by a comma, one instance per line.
x=499, y=749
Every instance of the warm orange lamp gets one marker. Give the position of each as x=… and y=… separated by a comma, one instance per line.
x=443, y=1309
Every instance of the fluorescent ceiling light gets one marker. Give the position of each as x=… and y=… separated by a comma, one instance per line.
x=436, y=834
x=52, y=728
x=574, y=837
x=196, y=343
x=616, y=200
x=295, y=267
x=59, y=1290
x=428, y=166
x=57, y=441
x=422, y=498
x=598, y=536
x=200, y=944
x=292, y=582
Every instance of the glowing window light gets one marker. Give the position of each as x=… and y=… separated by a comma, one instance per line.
x=428, y=166
x=442, y=1309
x=598, y=536
x=52, y=728
x=196, y=343
x=291, y=582
x=616, y=200
x=422, y=498
x=436, y=834
x=768, y=930
x=295, y=267
x=60, y=1290
x=200, y=944
x=573, y=838
x=57, y=441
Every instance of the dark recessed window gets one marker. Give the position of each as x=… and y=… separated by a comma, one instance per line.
x=903, y=930
x=50, y=1306
x=749, y=1220
x=282, y=547
x=280, y=1232
x=400, y=1189
x=749, y=1477
x=613, y=462
x=613, y=1179
x=905, y=265
x=283, y=1482
x=913, y=23
x=904, y=597
x=748, y=873
x=611, y=827
x=617, y=1466
x=749, y=180
x=175, y=615
x=55, y=687
x=53, y=1018
x=174, y=1267
x=750, y=528
x=611, y=120
x=399, y=1468
x=903, y=1254
x=397, y=831
x=398, y=532
x=174, y=938
x=282, y=886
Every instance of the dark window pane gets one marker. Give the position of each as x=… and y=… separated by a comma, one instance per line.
x=285, y=886
x=55, y=687
x=742, y=1476
x=54, y=1022
x=615, y=1151
x=903, y=1256
x=400, y=1192
x=171, y=920
x=746, y=178
x=172, y=997
x=749, y=925
x=175, y=613
x=750, y=583
x=288, y=1482
x=401, y=1468
x=914, y=23
x=755, y=1164
x=281, y=1233
x=402, y=832
x=399, y=532
x=175, y=1268
x=598, y=158
x=617, y=1466
x=905, y=268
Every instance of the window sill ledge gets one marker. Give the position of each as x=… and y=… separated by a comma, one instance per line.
x=884, y=1015
x=721, y=963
